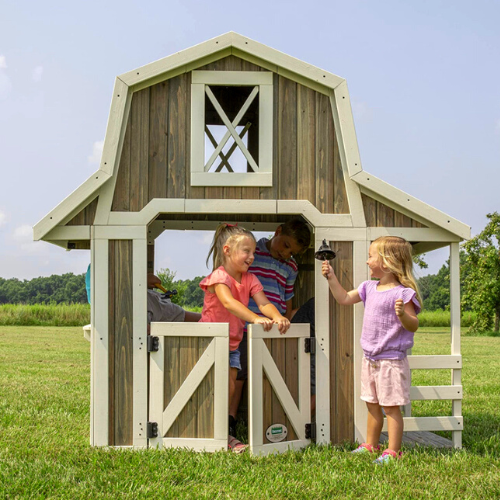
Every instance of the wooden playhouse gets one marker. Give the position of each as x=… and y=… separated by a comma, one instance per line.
x=170, y=161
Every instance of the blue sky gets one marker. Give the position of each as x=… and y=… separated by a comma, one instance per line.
x=423, y=78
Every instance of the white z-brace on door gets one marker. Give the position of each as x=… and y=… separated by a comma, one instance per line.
x=188, y=398
x=291, y=396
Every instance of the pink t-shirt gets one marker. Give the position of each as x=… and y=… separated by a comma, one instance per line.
x=213, y=310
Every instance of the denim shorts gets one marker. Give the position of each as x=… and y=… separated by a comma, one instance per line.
x=234, y=359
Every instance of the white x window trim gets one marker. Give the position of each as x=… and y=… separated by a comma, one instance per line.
x=231, y=128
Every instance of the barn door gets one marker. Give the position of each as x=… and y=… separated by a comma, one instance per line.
x=188, y=395
x=279, y=389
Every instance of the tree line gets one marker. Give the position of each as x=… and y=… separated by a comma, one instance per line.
x=479, y=283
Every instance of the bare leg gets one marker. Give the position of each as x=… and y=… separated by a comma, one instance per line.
x=235, y=400
x=395, y=427
x=374, y=424
x=233, y=373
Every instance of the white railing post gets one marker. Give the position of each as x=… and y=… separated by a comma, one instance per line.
x=456, y=374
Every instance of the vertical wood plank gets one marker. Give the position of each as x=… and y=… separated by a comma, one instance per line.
x=267, y=399
x=139, y=153
x=278, y=352
x=322, y=154
x=205, y=395
x=306, y=144
x=151, y=259
x=172, y=377
x=177, y=132
x=340, y=199
x=342, y=351
x=401, y=220
x=187, y=419
x=121, y=198
x=385, y=216
x=111, y=340
x=370, y=208
x=123, y=343
x=287, y=139
x=158, y=130
x=292, y=377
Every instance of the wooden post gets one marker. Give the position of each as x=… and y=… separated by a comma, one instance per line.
x=456, y=374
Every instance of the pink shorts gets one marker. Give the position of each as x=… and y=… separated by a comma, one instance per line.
x=385, y=381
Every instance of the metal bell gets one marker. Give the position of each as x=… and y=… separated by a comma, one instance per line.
x=325, y=252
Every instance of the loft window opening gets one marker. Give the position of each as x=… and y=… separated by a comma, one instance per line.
x=231, y=128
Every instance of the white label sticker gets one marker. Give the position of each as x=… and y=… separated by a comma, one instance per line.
x=276, y=433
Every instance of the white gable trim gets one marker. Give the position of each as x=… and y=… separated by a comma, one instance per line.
x=412, y=204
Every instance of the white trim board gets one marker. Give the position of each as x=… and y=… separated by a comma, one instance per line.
x=413, y=204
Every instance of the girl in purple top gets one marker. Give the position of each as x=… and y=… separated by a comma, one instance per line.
x=391, y=307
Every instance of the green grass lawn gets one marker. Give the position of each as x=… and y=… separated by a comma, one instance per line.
x=45, y=452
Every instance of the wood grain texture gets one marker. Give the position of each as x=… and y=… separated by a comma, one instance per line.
x=139, y=150
x=177, y=132
x=341, y=351
x=86, y=216
x=121, y=198
x=172, y=377
x=158, y=119
x=287, y=143
x=121, y=342
x=306, y=147
x=379, y=215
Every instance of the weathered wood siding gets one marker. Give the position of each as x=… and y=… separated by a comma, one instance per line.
x=196, y=419
x=285, y=354
x=86, y=216
x=120, y=343
x=342, y=350
x=155, y=160
x=379, y=215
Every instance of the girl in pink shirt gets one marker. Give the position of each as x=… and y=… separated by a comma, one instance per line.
x=227, y=292
x=391, y=307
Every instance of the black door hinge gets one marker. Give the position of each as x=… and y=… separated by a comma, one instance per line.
x=311, y=431
x=310, y=345
x=152, y=430
x=153, y=344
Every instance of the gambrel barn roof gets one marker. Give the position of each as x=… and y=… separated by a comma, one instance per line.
x=233, y=44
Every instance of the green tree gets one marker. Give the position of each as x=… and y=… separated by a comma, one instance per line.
x=167, y=278
x=482, y=284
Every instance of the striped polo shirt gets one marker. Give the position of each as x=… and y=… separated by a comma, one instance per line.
x=277, y=277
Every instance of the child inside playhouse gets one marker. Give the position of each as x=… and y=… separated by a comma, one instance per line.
x=276, y=268
x=228, y=290
x=390, y=321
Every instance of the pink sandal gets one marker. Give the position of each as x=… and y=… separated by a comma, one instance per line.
x=366, y=448
x=236, y=446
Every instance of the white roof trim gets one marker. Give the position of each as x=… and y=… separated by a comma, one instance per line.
x=412, y=204
x=222, y=43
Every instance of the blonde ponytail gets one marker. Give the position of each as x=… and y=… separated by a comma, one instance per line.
x=225, y=234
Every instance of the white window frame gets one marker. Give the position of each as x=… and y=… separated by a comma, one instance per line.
x=262, y=81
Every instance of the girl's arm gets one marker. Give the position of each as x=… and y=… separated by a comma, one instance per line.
x=235, y=307
x=341, y=295
x=407, y=315
x=270, y=311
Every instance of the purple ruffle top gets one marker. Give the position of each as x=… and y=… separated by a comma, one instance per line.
x=383, y=335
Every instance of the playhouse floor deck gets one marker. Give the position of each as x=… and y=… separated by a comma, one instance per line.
x=421, y=438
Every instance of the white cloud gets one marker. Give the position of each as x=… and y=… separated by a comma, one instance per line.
x=95, y=157
x=3, y=62
x=23, y=233
x=3, y=219
x=37, y=73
